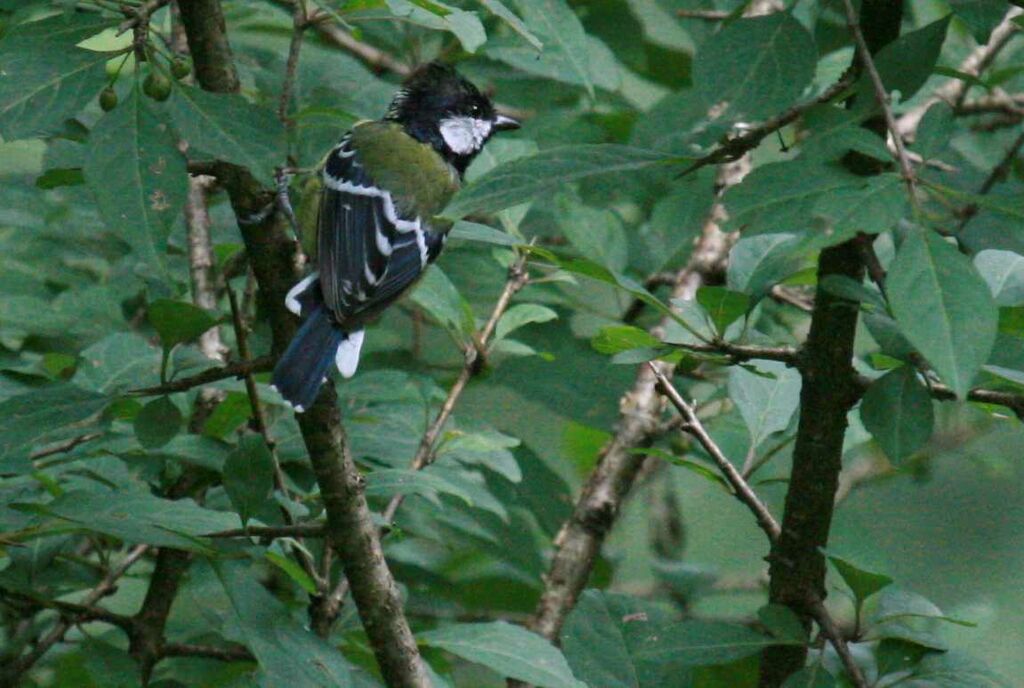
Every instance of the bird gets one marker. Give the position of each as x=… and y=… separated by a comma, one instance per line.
x=381, y=187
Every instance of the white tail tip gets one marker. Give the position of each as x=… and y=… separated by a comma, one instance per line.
x=347, y=358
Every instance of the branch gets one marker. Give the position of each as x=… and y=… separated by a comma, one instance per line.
x=580, y=538
x=374, y=57
x=734, y=148
x=296, y=531
x=882, y=98
x=273, y=257
x=237, y=369
x=999, y=173
x=230, y=653
x=299, y=26
x=693, y=426
x=139, y=16
x=743, y=492
x=475, y=354
x=829, y=388
x=200, y=261
x=10, y=674
x=955, y=90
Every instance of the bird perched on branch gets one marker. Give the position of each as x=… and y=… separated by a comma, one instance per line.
x=381, y=187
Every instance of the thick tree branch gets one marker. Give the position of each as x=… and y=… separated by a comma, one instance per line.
x=829, y=389
x=272, y=253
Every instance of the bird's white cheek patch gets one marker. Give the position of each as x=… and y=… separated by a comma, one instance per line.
x=465, y=135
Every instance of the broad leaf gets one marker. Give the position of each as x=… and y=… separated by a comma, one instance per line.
x=140, y=517
x=759, y=66
x=43, y=416
x=943, y=307
x=862, y=583
x=119, y=362
x=289, y=654
x=500, y=10
x=905, y=64
x=522, y=179
x=766, y=402
x=722, y=306
x=138, y=177
x=178, y=322
x=1004, y=272
x=44, y=85
x=897, y=411
x=436, y=15
x=249, y=476
x=509, y=650
x=981, y=16
x=520, y=315
x=616, y=338
x=157, y=423
x=229, y=128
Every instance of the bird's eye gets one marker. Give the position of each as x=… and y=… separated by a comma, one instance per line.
x=474, y=109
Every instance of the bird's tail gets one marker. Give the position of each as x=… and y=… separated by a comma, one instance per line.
x=303, y=368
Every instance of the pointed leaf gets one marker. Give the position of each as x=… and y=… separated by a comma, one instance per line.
x=157, y=423
x=249, y=476
x=138, y=177
x=897, y=411
x=943, y=307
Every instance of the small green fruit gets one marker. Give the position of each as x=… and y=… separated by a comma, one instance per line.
x=157, y=86
x=108, y=99
x=180, y=68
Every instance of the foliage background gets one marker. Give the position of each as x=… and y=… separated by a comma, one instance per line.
x=91, y=265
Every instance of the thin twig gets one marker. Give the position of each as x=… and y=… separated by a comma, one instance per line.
x=999, y=173
x=237, y=369
x=882, y=98
x=709, y=15
x=954, y=91
x=299, y=26
x=293, y=531
x=693, y=426
x=743, y=492
x=227, y=653
x=734, y=148
x=260, y=422
x=9, y=675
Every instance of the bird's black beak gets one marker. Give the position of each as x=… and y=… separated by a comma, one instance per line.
x=505, y=123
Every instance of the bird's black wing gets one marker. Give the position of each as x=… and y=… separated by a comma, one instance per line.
x=369, y=253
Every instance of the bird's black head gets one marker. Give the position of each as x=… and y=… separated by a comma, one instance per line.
x=439, y=107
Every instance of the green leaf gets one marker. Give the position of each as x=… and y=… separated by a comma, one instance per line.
x=249, y=476
x=293, y=570
x=596, y=233
x=436, y=294
x=722, y=305
x=474, y=231
x=501, y=11
x=178, y=322
x=388, y=482
x=60, y=176
x=953, y=670
x=40, y=87
x=943, y=307
x=759, y=66
x=766, y=403
x=157, y=423
x=42, y=416
x=521, y=179
x=782, y=196
x=229, y=128
x=509, y=650
x=1004, y=272
x=58, y=32
x=897, y=411
x=565, y=54
x=522, y=314
x=489, y=448
x=758, y=263
x=141, y=517
x=981, y=16
x=862, y=583
x=616, y=338
x=701, y=643
x=872, y=208
x=137, y=176
x=289, y=654
x=119, y=362
x=463, y=25
x=813, y=676
x=896, y=604
x=904, y=64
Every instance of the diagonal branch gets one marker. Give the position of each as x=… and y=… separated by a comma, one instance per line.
x=692, y=425
x=882, y=98
x=582, y=535
x=260, y=364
